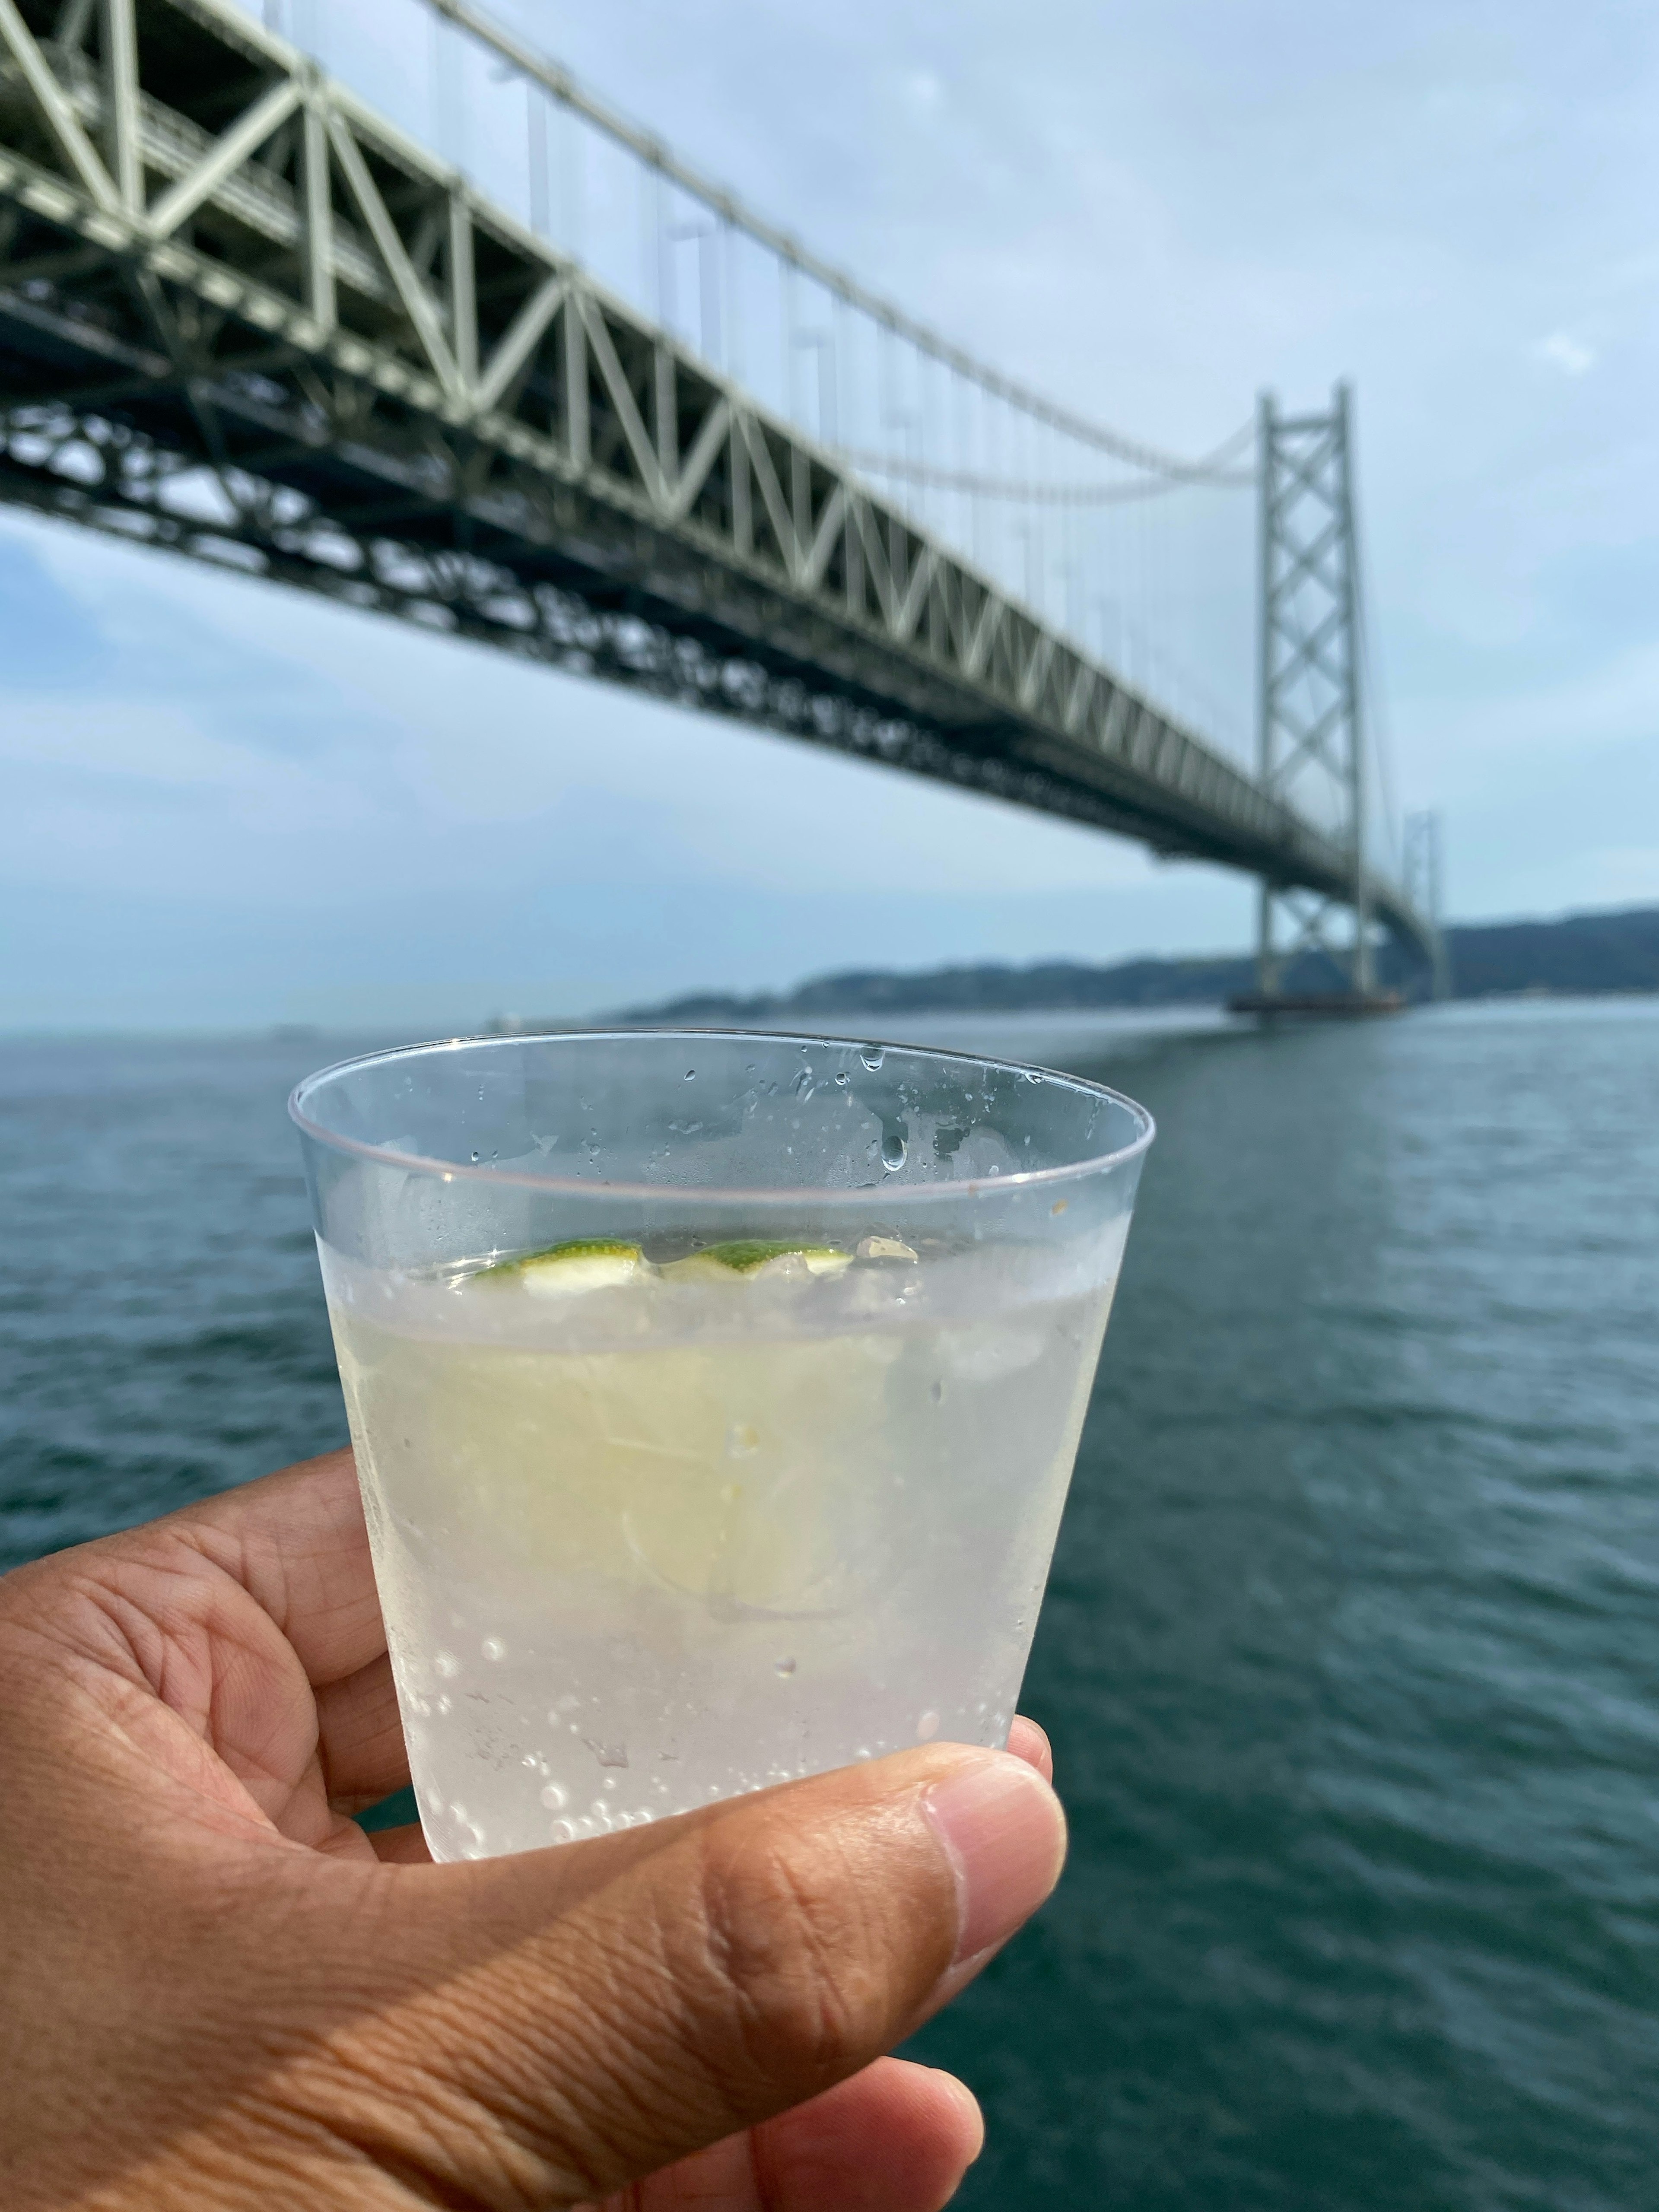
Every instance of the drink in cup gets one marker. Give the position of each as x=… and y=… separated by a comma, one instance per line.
x=714, y=1399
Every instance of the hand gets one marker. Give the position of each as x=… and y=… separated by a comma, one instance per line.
x=220, y=1991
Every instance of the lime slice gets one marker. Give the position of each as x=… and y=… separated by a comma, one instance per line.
x=587, y=1263
x=750, y=1256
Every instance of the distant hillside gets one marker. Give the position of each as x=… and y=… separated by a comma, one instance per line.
x=1578, y=954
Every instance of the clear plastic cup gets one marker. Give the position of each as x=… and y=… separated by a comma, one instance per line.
x=714, y=1399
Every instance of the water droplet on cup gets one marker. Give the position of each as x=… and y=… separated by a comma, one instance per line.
x=936, y=1392
x=493, y=1648
x=555, y=1798
x=842, y=1079
x=783, y=1666
x=892, y=1153
x=873, y=1055
x=927, y=1727
x=741, y=1438
x=561, y=1832
x=448, y=1664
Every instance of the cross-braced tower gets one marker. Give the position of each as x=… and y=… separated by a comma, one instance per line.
x=1312, y=749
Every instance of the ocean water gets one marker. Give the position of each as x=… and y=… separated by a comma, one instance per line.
x=1351, y=1655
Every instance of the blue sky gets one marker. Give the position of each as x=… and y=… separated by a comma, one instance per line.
x=230, y=805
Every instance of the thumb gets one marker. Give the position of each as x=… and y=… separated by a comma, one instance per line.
x=549, y=2028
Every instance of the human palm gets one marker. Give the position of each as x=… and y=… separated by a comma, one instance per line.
x=220, y=1990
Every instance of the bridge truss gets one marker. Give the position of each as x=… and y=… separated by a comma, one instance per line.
x=245, y=317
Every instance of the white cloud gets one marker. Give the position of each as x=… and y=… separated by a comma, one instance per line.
x=1568, y=354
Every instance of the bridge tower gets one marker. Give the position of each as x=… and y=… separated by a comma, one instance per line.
x=1420, y=869
x=1310, y=708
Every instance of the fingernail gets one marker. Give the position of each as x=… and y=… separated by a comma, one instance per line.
x=1028, y=1741
x=1004, y=1832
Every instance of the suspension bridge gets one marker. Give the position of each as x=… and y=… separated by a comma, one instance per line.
x=248, y=315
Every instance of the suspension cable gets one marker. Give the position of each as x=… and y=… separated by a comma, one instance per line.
x=721, y=200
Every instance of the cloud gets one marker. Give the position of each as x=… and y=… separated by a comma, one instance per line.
x=923, y=91
x=1564, y=352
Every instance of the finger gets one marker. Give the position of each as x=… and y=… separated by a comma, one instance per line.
x=1028, y=1741
x=585, y=2015
x=297, y=1544
x=252, y=1617
x=360, y=1737
x=898, y=2137
x=402, y=1846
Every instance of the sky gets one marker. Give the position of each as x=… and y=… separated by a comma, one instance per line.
x=228, y=806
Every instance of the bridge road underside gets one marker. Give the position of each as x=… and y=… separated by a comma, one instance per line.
x=244, y=318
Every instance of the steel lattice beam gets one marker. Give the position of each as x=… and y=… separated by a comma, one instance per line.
x=242, y=317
